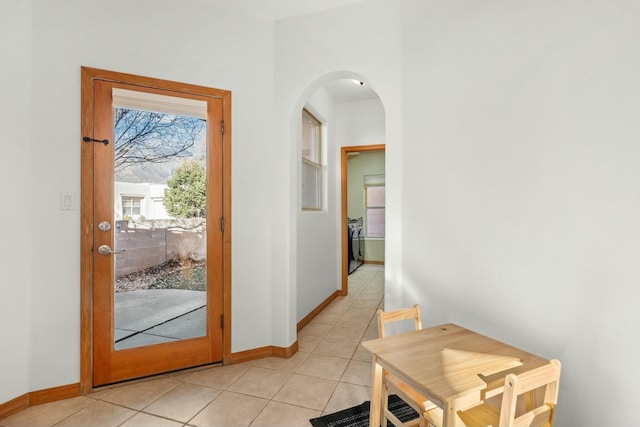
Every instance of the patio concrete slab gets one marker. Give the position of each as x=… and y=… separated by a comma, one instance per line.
x=158, y=315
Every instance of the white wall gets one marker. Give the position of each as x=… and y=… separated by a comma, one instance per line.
x=16, y=166
x=319, y=234
x=521, y=138
x=361, y=123
x=318, y=252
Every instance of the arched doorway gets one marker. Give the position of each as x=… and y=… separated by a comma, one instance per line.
x=351, y=115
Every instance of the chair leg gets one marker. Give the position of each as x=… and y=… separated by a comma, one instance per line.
x=385, y=405
x=387, y=416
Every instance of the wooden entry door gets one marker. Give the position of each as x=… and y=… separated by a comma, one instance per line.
x=156, y=212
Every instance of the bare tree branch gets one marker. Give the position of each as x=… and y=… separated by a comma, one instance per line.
x=145, y=136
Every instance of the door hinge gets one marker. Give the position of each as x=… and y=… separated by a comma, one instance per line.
x=222, y=126
x=222, y=224
x=222, y=321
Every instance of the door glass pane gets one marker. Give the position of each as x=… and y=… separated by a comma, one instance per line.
x=160, y=188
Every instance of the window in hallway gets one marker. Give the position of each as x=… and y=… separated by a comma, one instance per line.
x=311, y=162
x=374, y=200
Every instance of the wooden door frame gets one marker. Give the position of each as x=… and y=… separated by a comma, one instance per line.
x=345, y=200
x=88, y=75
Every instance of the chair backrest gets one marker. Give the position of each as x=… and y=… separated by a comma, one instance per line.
x=385, y=317
x=537, y=414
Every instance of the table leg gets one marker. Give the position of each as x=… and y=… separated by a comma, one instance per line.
x=446, y=416
x=376, y=395
x=449, y=416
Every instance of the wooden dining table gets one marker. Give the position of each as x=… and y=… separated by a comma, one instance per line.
x=448, y=364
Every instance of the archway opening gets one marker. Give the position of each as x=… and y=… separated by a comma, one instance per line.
x=352, y=120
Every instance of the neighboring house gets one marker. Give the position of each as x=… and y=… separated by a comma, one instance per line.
x=139, y=201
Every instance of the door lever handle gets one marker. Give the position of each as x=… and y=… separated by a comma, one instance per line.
x=106, y=250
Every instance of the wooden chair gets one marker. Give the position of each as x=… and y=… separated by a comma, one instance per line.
x=430, y=414
x=546, y=378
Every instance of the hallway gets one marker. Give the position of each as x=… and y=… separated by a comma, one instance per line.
x=330, y=372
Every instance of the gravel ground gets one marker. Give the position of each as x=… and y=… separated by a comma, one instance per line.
x=171, y=275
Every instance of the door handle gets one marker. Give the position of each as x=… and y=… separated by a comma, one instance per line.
x=106, y=250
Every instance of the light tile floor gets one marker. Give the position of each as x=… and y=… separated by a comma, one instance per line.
x=330, y=372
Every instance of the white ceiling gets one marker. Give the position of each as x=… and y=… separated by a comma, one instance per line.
x=346, y=90
x=281, y=9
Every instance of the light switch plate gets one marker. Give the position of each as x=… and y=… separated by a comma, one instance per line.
x=67, y=201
